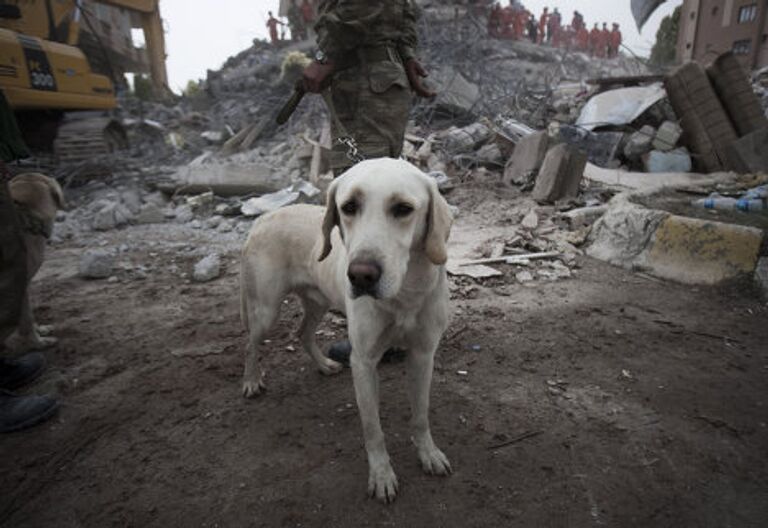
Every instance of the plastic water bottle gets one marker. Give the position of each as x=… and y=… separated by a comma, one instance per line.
x=760, y=193
x=750, y=205
x=721, y=203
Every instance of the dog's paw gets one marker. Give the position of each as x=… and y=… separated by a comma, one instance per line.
x=330, y=367
x=434, y=461
x=251, y=389
x=382, y=483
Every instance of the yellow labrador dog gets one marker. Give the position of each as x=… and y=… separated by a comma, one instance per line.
x=377, y=253
x=37, y=198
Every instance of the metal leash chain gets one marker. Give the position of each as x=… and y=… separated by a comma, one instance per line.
x=353, y=149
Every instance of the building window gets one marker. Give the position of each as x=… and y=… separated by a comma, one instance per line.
x=747, y=13
x=742, y=47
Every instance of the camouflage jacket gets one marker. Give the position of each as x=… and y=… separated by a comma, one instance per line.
x=346, y=25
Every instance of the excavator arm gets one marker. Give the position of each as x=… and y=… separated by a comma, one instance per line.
x=154, y=36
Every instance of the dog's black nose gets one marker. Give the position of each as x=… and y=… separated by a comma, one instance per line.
x=364, y=275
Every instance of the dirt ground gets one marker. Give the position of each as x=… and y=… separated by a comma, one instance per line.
x=609, y=399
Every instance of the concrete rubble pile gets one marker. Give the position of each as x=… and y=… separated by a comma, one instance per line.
x=567, y=128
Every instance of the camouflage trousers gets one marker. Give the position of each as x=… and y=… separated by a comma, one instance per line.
x=13, y=262
x=372, y=101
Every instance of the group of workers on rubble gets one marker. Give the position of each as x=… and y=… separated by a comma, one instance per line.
x=517, y=23
x=301, y=18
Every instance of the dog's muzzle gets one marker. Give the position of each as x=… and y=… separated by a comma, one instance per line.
x=364, y=276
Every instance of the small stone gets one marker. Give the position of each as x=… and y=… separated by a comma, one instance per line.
x=184, y=214
x=213, y=222
x=104, y=219
x=208, y=268
x=667, y=137
x=196, y=224
x=531, y=220
x=150, y=214
x=640, y=142
x=524, y=277
x=131, y=199
x=96, y=264
x=224, y=227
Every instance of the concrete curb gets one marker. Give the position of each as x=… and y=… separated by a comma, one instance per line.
x=673, y=247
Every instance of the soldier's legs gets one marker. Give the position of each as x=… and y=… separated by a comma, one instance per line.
x=376, y=121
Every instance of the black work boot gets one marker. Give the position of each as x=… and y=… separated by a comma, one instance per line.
x=20, y=412
x=15, y=373
x=341, y=350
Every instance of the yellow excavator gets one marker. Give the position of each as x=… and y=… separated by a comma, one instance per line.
x=61, y=104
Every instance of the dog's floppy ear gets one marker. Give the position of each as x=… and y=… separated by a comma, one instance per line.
x=330, y=221
x=439, y=220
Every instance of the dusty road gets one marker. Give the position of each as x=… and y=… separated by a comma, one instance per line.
x=624, y=401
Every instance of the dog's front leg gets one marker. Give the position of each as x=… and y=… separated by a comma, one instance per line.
x=420, y=362
x=367, y=350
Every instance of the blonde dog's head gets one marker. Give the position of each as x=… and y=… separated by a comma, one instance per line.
x=388, y=213
x=40, y=194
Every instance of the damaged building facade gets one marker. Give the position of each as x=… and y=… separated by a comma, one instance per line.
x=711, y=27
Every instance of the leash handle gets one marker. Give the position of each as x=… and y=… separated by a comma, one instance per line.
x=290, y=106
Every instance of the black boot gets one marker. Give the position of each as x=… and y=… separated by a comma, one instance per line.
x=341, y=350
x=15, y=373
x=20, y=412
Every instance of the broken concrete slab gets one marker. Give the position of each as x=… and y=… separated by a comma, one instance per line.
x=735, y=91
x=708, y=129
x=641, y=142
x=641, y=181
x=299, y=192
x=619, y=107
x=466, y=139
x=667, y=136
x=456, y=95
x=560, y=175
x=678, y=160
x=229, y=179
x=150, y=214
x=526, y=160
x=623, y=233
x=673, y=247
x=749, y=154
x=696, y=251
x=269, y=202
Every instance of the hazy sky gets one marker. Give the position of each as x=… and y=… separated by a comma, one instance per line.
x=201, y=34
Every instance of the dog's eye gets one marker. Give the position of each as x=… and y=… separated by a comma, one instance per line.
x=349, y=208
x=402, y=210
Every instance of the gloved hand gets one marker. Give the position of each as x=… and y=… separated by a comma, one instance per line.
x=317, y=76
x=416, y=72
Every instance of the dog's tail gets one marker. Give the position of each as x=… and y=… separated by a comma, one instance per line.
x=244, y=290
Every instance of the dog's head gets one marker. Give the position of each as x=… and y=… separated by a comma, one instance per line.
x=388, y=212
x=41, y=194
